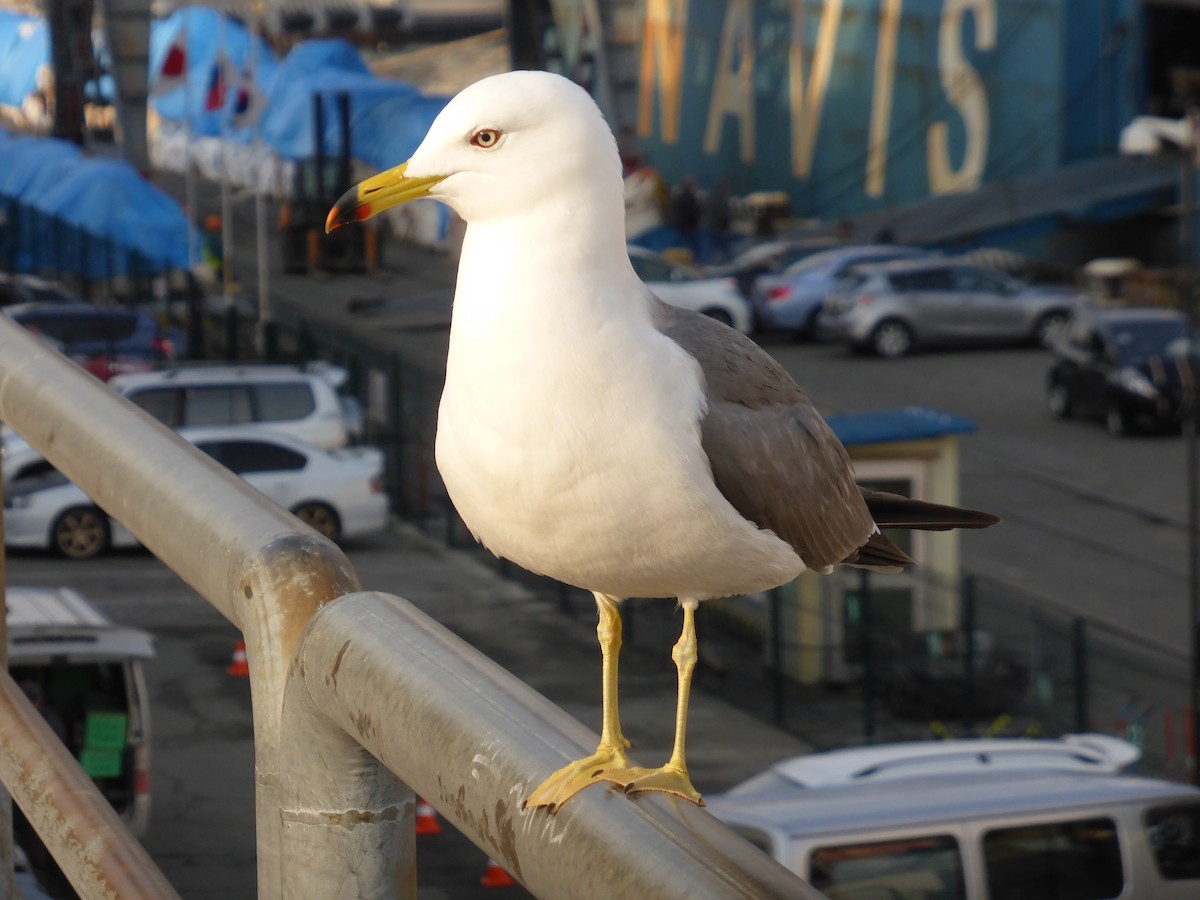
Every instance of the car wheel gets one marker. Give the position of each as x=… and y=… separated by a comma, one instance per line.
x=1048, y=327
x=321, y=518
x=1116, y=420
x=808, y=331
x=1058, y=401
x=80, y=533
x=891, y=339
x=720, y=315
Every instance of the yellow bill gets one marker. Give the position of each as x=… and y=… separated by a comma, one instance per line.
x=380, y=192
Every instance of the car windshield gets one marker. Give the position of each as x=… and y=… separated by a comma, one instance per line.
x=1135, y=341
x=812, y=263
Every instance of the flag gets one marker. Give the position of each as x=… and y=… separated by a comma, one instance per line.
x=214, y=96
x=172, y=73
x=248, y=101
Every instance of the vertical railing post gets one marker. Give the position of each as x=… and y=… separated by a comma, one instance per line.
x=1079, y=658
x=868, y=655
x=7, y=884
x=969, y=668
x=775, y=608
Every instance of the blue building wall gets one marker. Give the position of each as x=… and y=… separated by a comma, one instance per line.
x=918, y=97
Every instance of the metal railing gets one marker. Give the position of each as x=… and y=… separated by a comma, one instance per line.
x=349, y=698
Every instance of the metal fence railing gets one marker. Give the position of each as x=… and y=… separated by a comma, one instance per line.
x=335, y=808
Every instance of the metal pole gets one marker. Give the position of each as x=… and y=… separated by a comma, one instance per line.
x=1080, y=659
x=7, y=882
x=261, y=238
x=969, y=668
x=868, y=654
x=227, y=287
x=1187, y=238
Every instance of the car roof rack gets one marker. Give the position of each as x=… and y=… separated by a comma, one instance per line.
x=1095, y=753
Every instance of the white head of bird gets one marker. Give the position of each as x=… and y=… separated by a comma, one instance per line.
x=512, y=145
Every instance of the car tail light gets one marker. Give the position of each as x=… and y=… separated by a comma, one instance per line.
x=865, y=299
x=163, y=347
x=776, y=294
x=377, y=485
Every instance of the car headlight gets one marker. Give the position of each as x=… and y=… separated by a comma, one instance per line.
x=1136, y=383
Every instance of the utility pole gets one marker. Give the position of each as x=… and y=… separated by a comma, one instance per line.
x=73, y=62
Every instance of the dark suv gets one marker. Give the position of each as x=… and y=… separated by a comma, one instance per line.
x=104, y=340
x=1125, y=367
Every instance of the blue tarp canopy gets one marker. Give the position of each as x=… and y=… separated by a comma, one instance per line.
x=24, y=47
x=227, y=65
x=108, y=198
x=28, y=166
x=105, y=198
x=387, y=118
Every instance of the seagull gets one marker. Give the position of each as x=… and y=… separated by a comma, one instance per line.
x=591, y=433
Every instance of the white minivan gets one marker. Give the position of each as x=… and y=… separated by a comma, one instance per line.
x=1003, y=819
x=306, y=403
x=84, y=673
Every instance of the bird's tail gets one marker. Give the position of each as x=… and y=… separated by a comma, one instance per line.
x=895, y=511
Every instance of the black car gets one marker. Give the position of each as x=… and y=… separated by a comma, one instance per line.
x=1125, y=367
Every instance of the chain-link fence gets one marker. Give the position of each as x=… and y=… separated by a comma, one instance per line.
x=99, y=270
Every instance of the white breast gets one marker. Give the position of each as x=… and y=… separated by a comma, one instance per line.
x=569, y=441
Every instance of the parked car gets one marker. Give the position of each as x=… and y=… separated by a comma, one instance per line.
x=1005, y=819
x=791, y=300
x=16, y=289
x=1125, y=367
x=339, y=493
x=768, y=258
x=104, y=340
x=302, y=402
x=927, y=675
x=687, y=288
x=892, y=308
x=85, y=673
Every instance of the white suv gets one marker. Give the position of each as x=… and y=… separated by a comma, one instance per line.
x=1000, y=819
x=304, y=403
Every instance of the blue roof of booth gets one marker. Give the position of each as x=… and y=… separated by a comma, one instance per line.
x=912, y=423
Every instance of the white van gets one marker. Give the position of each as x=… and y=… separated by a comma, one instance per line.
x=1006, y=819
x=303, y=402
x=85, y=675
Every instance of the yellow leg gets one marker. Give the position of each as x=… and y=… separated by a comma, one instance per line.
x=673, y=777
x=610, y=754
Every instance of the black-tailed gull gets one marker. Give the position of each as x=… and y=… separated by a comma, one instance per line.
x=592, y=433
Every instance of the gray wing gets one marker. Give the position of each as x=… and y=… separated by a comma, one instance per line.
x=772, y=455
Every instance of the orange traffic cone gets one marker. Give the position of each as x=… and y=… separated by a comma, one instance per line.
x=427, y=822
x=495, y=876
x=239, y=668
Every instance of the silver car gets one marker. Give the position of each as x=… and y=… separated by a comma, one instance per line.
x=892, y=308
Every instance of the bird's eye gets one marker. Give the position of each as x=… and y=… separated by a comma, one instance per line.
x=485, y=138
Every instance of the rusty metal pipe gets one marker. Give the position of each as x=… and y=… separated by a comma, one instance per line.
x=87, y=838
x=473, y=740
